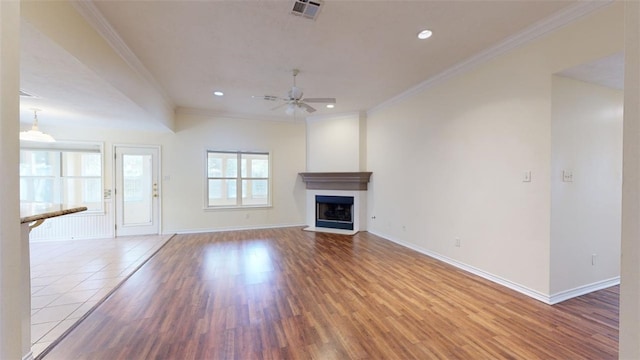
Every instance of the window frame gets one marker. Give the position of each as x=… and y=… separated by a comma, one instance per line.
x=58, y=176
x=238, y=179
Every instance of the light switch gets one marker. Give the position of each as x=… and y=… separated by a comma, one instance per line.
x=526, y=176
x=567, y=176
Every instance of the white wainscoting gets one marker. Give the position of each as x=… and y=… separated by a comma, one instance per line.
x=76, y=226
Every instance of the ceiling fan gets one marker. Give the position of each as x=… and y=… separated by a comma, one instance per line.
x=295, y=100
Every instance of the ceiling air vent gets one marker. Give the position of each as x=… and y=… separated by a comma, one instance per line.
x=270, y=97
x=306, y=8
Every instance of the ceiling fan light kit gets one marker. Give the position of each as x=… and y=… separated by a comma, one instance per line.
x=295, y=99
x=290, y=110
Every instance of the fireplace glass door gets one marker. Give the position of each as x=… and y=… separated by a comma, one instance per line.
x=334, y=212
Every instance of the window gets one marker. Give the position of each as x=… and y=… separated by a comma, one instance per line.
x=71, y=176
x=237, y=179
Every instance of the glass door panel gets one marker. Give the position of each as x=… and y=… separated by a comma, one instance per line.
x=137, y=191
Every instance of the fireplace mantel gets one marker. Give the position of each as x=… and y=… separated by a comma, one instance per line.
x=336, y=180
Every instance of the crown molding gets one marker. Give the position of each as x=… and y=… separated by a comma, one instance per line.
x=88, y=10
x=545, y=26
x=344, y=115
x=181, y=110
x=229, y=115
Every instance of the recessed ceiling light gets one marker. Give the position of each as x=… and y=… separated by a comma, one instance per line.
x=424, y=34
x=330, y=106
x=218, y=93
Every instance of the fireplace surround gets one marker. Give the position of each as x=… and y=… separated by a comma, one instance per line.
x=343, y=189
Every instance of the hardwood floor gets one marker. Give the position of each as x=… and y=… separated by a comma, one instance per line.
x=287, y=293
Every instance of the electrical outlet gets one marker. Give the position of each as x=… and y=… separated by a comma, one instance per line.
x=567, y=176
x=457, y=242
x=593, y=259
x=526, y=176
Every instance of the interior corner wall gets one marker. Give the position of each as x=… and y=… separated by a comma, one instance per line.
x=449, y=162
x=362, y=134
x=334, y=143
x=183, y=181
x=586, y=143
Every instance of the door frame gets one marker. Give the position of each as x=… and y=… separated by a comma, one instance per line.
x=114, y=180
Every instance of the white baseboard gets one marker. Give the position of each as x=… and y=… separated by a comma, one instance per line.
x=534, y=294
x=483, y=274
x=81, y=238
x=232, y=228
x=584, y=289
x=29, y=356
x=547, y=299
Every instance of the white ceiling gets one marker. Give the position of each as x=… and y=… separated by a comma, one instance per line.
x=360, y=52
x=66, y=90
x=608, y=71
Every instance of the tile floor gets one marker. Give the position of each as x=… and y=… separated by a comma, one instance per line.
x=68, y=278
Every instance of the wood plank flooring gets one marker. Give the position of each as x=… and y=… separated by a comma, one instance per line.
x=287, y=293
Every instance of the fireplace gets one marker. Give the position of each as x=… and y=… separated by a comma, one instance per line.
x=335, y=212
x=336, y=201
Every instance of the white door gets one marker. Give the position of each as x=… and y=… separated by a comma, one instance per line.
x=137, y=190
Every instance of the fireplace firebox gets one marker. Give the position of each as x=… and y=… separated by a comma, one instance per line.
x=334, y=212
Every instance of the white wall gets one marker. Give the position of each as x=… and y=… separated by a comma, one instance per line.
x=11, y=252
x=449, y=161
x=335, y=144
x=183, y=161
x=630, y=277
x=586, y=140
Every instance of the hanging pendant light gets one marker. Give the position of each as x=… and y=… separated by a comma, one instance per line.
x=34, y=134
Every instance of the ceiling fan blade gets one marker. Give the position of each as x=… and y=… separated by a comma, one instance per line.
x=321, y=100
x=307, y=107
x=279, y=106
x=267, y=97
